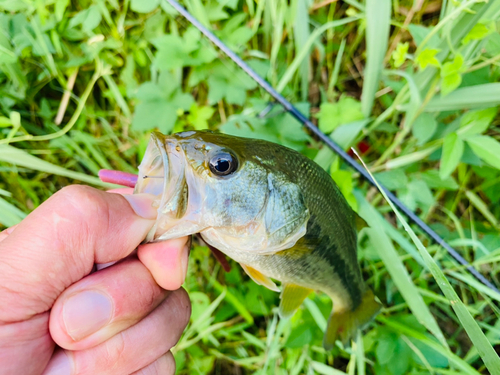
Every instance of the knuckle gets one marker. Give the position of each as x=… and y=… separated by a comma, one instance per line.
x=84, y=207
x=83, y=199
x=149, y=293
x=165, y=365
x=181, y=305
x=115, y=350
x=168, y=366
x=73, y=191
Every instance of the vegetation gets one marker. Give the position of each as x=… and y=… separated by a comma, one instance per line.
x=411, y=84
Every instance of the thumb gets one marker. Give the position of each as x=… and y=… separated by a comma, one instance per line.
x=59, y=242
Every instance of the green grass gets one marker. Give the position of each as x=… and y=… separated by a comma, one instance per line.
x=413, y=86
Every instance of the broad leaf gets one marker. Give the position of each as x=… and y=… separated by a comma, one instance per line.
x=345, y=111
x=453, y=149
x=419, y=33
x=487, y=148
x=427, y=57
x=424, y=127
x=399, y=54
x=176, y=51
x=478, y=32
x=144, y=6
x=343, y=179
x=476, y=122
x=450, y=75
x=89, y=19
x=198, y=116
x=160, y=104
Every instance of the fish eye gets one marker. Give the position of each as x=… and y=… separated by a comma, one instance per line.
x=223, y=164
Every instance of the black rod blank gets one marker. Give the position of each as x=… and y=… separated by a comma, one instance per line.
x=328, y=141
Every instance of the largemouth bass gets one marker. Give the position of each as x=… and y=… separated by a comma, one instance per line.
x=269, y=208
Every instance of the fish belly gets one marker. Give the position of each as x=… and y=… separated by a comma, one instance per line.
x=308, y=271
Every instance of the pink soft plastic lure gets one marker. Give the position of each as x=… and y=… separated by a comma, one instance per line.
x=118, y=177
x=130, y=180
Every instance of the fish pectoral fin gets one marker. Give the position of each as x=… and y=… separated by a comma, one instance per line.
x=292, y=297
x=260, y=278
x=343, y=324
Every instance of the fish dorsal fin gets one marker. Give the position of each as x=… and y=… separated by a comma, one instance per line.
x=292, y=297
x=360, y=222
x=260, y=278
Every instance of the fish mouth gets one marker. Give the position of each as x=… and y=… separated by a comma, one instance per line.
x=154, y=169
x=161, y=173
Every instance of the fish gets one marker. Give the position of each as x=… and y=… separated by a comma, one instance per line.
x=270, y=209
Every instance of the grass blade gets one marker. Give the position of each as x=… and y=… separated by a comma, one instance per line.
x=232, y=299
x=360, y=354
x=473, y=283
x=117, y=95
x=301, y=33
x=478, y=96
x=13, y=155
x=316, y=314
x=460, y=29
x=323, y=369
x=414, y=157
x=336, y=68
x=305, y=50
x=378, y=20
x=415, y=99
x=397, y=269
x=480, y=341
x=482, y=207
x=195, y=326
x=9, y=214
x=464, y=367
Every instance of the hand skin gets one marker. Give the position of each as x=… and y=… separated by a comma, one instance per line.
x=57, y=317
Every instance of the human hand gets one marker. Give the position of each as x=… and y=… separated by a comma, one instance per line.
x=120, y=320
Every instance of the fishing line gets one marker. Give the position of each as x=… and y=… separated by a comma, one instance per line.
x=329, y=142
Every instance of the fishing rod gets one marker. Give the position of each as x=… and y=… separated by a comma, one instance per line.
x=290, y=108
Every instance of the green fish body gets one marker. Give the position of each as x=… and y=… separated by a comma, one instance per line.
x=269, y=208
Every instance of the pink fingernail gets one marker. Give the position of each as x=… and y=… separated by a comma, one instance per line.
x=86, y=312
x=142, y=204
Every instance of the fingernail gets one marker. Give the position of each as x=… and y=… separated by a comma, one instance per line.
x=59, y=365
x=142, y=204
x=101, y=266
x=85, y=313
x=184, y=259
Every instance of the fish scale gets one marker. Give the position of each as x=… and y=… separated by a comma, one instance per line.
x=275, y=212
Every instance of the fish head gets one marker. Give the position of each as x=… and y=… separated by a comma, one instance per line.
x=223, y=187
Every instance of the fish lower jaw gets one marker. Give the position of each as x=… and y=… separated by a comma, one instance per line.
x=238, y=248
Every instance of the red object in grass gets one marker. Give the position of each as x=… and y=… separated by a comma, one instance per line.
x=219, y=255
x=118, y=177
x=129, y=180
x=362, y=147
